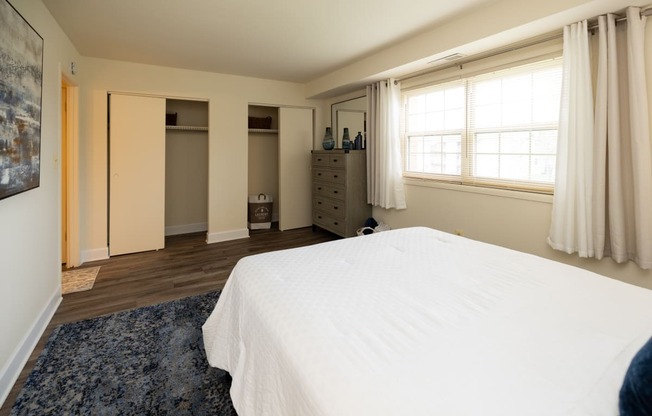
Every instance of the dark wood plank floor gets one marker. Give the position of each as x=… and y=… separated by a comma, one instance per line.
x=187, y=266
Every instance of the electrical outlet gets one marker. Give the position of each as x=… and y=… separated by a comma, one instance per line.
x=459, y=231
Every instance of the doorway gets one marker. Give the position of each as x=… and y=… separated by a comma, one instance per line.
x=70, y=256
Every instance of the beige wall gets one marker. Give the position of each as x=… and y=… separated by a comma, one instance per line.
x=228, y=97
x=186, y=180
x=482, y=28
x=501, y=218
x=30, y=245
x=504, y=218
x=263, y=168
x=186, y=169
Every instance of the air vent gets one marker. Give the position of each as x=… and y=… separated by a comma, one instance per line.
x=449, y=58
x=453, y=57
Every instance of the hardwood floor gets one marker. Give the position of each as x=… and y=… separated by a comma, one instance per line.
x=187, y=266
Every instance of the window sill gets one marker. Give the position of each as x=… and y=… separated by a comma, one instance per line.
x=503, y=193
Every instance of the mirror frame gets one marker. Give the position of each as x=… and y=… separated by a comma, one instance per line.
x=334, y=109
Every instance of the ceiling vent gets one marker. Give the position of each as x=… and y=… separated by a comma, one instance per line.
x=449, y=58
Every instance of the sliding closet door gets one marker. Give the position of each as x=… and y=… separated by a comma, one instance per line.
x=136, y=174
x=295, y=178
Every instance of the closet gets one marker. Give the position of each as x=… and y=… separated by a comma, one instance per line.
x=279, y=162
x=158, y=174
x=263, y=154
x=186, y=167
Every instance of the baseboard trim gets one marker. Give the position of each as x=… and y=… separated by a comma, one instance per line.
x=95, y=254
x=227, y=236
x=186, y=228
x=10, y=372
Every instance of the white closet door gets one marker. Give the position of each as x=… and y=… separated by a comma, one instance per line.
x=295, y=178
x=136, y=174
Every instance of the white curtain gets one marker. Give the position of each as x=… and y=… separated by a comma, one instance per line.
x=617, y=220
x=384, y=170
x=571, y=228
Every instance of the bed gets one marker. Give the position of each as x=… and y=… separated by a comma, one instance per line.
x=420, y=322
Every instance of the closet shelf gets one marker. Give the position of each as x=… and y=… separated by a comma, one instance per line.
x=269, y=131
x=187, y=128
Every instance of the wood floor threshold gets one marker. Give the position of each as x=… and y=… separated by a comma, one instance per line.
x=187, y=266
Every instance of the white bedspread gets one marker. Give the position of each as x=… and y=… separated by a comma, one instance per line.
x=420, y=322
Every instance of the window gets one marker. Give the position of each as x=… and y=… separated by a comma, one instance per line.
x=496, y=129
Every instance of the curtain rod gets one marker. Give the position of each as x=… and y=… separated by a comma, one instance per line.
x=644, y=13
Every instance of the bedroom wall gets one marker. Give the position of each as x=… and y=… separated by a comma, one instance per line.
x=228, y=96
x=502, y=218
x=481, y=28
x=30, y=249
x=512, y=219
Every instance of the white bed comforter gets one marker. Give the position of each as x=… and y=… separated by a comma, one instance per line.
x=419, y=322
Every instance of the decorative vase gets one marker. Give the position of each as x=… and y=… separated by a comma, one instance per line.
x=346, y=139
x=328, y=143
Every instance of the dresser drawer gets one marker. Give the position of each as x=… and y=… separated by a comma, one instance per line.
x=329, y=175
x=321, y=160
x=329, y=223
x=339, y=190
x=333, y=207
x=322, y=189
x=335, y=160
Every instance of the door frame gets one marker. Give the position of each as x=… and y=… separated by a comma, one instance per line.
x=73, y=257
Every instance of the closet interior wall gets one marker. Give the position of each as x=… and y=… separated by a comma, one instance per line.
x=186, y=168
x=263, y=170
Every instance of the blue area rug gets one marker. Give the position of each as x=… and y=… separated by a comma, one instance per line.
x=147, y=361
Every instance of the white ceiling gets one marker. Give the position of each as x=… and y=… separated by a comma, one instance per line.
x=290, y=40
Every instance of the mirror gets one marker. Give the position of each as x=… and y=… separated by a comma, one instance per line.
x=352, y=114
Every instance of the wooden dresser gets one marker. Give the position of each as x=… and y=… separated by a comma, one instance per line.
x=339, y=191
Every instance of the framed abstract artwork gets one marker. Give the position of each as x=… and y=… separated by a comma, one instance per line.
x=21, y=81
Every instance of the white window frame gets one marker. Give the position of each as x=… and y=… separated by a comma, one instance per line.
x=466, y=177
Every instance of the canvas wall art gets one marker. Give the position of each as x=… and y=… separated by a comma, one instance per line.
x=21, y=79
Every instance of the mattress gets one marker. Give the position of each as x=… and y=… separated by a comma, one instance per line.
x=420, y=322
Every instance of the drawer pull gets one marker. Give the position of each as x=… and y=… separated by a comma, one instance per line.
x=335, y=160
x=335, y=208
x=319, y=159
x=335, y=176
x=335, y=192
x=319, y=174
x=319, y=188
x=319, y=217
x=335, y=223
x=318, y=202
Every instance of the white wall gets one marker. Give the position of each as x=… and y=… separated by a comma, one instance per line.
x=30, y=247
x=228, y=97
